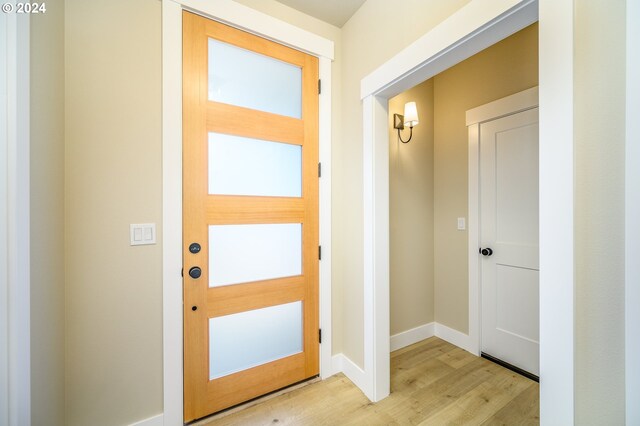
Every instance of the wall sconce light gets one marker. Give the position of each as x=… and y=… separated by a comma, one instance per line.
x=410, y=118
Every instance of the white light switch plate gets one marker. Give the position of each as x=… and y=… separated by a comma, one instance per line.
x=461, y=224
x=142, y=233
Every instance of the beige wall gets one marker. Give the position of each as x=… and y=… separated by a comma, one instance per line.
x=47, y=216
x=505, y=68
x=113, y=178
x=372, y=36
x=599, y=71
x=411, y=214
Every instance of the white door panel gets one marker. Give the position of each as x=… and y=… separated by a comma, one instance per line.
x=522, y=255
x=509, y=226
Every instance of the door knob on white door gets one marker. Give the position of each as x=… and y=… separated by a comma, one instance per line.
x=486, y=251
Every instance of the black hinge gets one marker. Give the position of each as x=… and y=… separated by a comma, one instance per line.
x=319, y=87
x=319, y=169
x=319, y=252
x=319, y=335
x=182, y=272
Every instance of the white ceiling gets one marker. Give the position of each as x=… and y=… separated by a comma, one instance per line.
x=335, y=12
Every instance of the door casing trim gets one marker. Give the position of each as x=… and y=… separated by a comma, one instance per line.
x=632, y=211
x=468, y=31
x=245, y=18
x=473, y=28
x=15, y=254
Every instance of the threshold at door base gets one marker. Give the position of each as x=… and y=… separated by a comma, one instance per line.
x=254, y=401
x=513, y=368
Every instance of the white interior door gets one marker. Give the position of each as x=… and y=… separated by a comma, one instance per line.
x=509, y=239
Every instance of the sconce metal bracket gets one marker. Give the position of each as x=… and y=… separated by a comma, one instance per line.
x=398, y=121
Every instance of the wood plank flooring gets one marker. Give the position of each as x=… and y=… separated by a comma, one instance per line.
x=432, y=383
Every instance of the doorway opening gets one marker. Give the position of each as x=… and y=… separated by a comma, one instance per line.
x=432, y=53
x=432, y=222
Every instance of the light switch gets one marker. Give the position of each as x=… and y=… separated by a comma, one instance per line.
x=142, y=233
x=461, y=224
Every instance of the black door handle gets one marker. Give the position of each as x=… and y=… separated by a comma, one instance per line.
x=486, y=251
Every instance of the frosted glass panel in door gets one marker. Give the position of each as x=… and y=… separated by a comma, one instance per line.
x=251, y=80
x=245, y=253
x=244, y=166
x=251, y=338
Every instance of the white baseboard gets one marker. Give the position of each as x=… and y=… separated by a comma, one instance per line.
x=342, y=364
x=157, y=420
x=336, y=364
x=417, y=334
x=414, y=335
x=455, y=337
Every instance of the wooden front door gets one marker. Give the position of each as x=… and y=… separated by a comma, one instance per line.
x=250, y=216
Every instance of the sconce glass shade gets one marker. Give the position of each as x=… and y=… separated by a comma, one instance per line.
x=411, y=114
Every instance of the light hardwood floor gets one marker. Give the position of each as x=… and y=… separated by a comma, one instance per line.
x=432, y=383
